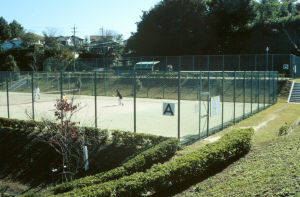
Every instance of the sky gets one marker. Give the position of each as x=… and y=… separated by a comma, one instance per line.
x=88, y=16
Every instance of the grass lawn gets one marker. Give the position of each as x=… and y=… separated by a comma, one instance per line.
x=271, y=168
x=297, y=80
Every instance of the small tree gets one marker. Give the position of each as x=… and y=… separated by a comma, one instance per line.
x=66, y=138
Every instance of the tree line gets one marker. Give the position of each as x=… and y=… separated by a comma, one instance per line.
x=187, y=27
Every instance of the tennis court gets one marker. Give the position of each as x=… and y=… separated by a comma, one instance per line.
x=225, y=98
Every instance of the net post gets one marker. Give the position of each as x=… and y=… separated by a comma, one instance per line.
x=32, y=95
x=7, y=96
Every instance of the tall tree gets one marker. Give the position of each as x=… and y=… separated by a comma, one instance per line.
x=171, y=27
x=16, y=29
x=10, y=64
x=5, y=32
x=269, y=10
x=228, y=17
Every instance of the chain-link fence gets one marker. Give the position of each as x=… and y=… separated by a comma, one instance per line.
x=176, y=104
x=285, y=64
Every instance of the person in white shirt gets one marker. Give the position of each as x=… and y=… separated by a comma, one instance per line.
x=37, y=92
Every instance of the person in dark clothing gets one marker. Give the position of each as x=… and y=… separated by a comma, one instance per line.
x=120, y=97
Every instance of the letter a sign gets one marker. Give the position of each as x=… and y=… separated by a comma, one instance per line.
x=168, y=109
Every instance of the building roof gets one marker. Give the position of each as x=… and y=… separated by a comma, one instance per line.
x=94, y=38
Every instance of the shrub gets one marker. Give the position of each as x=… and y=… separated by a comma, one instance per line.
x=182, y=170
x=283, y=129
x=141, y=162
x=125, y=138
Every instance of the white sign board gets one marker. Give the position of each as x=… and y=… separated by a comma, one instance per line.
x=215, y=105
x=295, y=69
x=168, y=109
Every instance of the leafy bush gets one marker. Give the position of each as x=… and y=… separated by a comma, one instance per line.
x=181, y=170
x=125, y=138
x=159, y=153
x=283, y=129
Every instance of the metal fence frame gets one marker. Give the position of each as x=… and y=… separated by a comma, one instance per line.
x=269, y=79
x=229, y=62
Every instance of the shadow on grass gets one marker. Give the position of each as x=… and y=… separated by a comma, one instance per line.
x=27, y=160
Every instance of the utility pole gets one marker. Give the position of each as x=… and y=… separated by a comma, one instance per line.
x=74, y=43
x=101, y=31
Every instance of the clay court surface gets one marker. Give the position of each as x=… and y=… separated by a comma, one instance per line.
x=110, y=115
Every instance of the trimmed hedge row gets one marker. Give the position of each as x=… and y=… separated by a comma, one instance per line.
x=182, y=170
x=115, y=136
x=159, y=153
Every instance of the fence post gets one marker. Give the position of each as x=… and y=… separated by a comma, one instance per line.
x=164, y=81
x=264, y=90
x=166, y=63
x=61, y=85
x=272, y=62
x=234, y=87
x=95, y=93
x=276, y=85
x=179, y=89
x=274, y=89
x=208, y=98
x=7, y=95
x=223, y=96
x=104, y=82
x=193, y=63
x=269, y=80
x=32, y=95
x=208, y=59
x=69, y=80
x=255, y=63
x=244, y=94
x=251, y=91
x=134, y=101
x=239, y=62
x=200, y=102
x=258, y=91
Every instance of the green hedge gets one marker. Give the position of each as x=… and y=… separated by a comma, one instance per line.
x=117, y=137
x=182, y=170
x=159, y=153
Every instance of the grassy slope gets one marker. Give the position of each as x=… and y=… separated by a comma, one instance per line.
x=272, y=166
x=272, y=169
